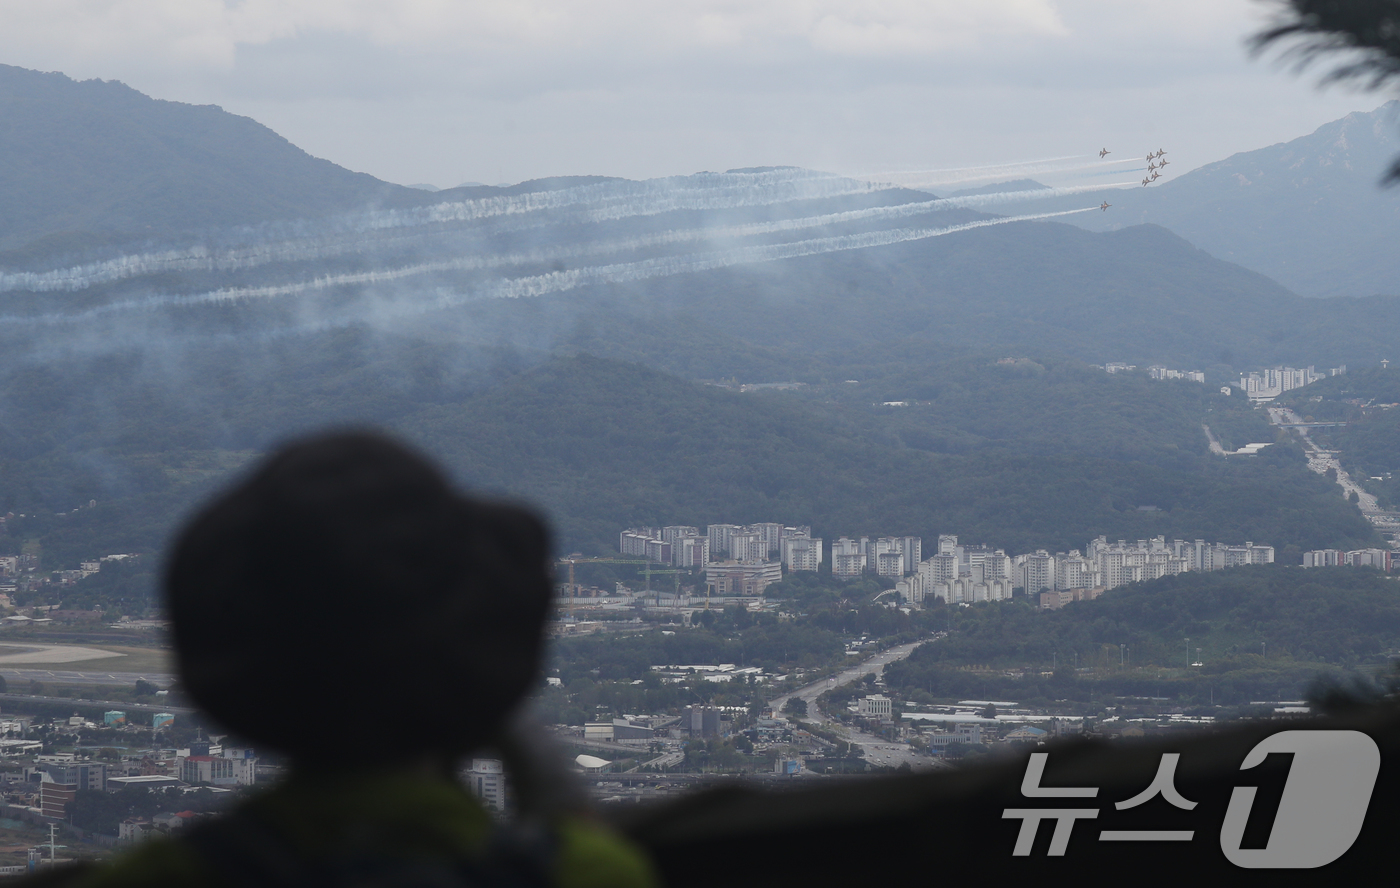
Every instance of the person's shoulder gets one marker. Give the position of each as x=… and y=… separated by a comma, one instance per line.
x=592, y=856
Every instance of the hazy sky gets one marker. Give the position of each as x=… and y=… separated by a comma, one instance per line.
x=447, y=91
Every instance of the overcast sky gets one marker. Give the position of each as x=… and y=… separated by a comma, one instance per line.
x=448, y=91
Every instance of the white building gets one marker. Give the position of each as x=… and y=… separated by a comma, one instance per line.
x=1160, y=372
x=741, y=579
x=690, y=551
x=748, y=546
x=217, y=770
x=911, y=589
x=847, y=559
x=876, y=706
x=1122, y=562
x=720, y=535
x=941, y=568
x=1324, y=558
x=800, y=551
x=486, y=778
x=772, y=536
x=1036, y=571
x=1377, y=558
x=1274, y=381
x=966, y=590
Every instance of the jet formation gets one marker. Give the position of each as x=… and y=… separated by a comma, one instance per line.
x=1155, y=162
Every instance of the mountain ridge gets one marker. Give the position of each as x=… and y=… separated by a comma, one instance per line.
x=98, y=159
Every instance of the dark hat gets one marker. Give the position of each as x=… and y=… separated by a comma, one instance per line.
x=344, y=591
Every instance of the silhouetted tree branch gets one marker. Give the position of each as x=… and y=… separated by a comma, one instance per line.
x=1367, y=32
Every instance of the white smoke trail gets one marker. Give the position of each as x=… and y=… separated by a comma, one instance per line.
x=609, y=201
x=968, y=175
x=888, y=174
x=130, y=266
x=926, y=182
x=554, y=282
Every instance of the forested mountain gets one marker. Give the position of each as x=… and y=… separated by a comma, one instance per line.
x=1309, y=213
x=1264, y=632
x=1141, y=295
x=97, y=161
x=997, y=456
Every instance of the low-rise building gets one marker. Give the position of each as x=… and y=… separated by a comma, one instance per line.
x=876, y=706
x=735, y=579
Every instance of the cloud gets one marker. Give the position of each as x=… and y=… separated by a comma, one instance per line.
x=210, y=33
x=500, y=90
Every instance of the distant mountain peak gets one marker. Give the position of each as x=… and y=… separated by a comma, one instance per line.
x=97, y=160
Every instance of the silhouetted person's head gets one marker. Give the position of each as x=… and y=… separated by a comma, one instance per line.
x=344, y=603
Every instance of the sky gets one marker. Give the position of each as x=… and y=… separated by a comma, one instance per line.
x=444, y=92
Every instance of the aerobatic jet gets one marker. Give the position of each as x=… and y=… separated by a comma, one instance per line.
x=1163, y=163
x=1150, y=157
x=1146, y=182
x=1105, y=206
x=1151, y=166
x=1156, y=176
x=1160, y=152
x=1104, y=152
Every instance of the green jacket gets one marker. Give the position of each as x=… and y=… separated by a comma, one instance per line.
x=386, y=818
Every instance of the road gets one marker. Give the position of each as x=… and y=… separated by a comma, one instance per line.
x=22, y=699
x=878, y=750
x=64, y=676
x=1214, y=442
x=1320, y=461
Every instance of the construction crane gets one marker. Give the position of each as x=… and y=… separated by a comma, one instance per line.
x=646, y=571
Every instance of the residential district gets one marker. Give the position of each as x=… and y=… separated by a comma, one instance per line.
x=743, y=560
x=1263, y=385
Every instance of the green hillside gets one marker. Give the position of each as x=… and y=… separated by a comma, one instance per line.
x=600, y=445
x=1259, y=633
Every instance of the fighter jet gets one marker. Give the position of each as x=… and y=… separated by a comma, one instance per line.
x=1105, y=206
x=1163, y=163
x=1151, y=157
x=1151, y=166
x=1156, y=176
x=1104, y=152
x=1146, y=182
x=1160, y=152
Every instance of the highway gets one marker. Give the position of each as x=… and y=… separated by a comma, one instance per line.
x=22, y=699
x=878, y=750
x=65, y=676
x=1321, y=461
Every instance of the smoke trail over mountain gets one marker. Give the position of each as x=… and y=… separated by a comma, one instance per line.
x=350, y=233
x=765, y=190
x=652, y=268
x=956, y=176
x=559, y=281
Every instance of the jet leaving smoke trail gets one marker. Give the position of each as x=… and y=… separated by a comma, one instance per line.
x=555, y=282
x=605, y=201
